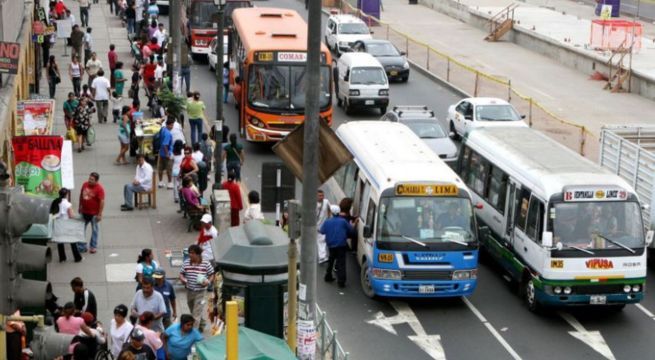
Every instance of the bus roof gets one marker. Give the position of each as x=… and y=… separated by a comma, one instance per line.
x=262, y=28
x=390, y=153
x=531, y=156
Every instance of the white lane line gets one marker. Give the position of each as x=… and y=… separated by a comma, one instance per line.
x=645, y=311
x=491, y=329
x=593, y=339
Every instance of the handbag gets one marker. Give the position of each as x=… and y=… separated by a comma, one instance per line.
x=57, y=80
x=71, y=134
x=90, y=135
x=68, y=231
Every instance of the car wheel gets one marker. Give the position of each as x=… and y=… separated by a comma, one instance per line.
x=383, y=110
x=453, y=130
x=366, y=281
x=530, y=295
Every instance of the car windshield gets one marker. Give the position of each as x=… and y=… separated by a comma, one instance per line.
x=368, y=76
x=496, y=113
x=283, y=87
x=427, y=220
x=426, y=129
x=597, y=225
x=201, y=13
x=381, y=49
x=353, y=28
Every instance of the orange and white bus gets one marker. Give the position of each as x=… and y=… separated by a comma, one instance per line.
x=268, y=55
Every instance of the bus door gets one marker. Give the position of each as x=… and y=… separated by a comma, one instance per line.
x=359, y=209
x=511, y=204
x=528, y=228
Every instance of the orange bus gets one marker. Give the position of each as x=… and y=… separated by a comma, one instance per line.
x=268, y=54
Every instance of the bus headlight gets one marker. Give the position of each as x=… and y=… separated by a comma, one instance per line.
x=636, y=288
x=465, y=274
x=353, y=92
x=386, y=274
x=626, y=288
x=557, y=290
x=567, y=290
x=253, y=120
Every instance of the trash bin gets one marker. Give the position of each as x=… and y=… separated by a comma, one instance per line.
x=38, y=234
x=253, y=263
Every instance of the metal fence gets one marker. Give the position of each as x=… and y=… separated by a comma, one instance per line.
x=327, y=343
x=477, y=83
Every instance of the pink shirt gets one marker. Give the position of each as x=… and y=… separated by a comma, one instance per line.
x=70, y=326
x=152, y=338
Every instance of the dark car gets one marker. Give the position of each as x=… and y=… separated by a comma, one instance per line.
x=394, y=61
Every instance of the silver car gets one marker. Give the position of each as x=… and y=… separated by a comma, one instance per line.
x=425, y=124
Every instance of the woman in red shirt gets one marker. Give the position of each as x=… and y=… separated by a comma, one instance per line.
x=148, y=75
x=188, y=167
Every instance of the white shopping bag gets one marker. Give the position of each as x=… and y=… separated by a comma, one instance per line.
x=68, y=231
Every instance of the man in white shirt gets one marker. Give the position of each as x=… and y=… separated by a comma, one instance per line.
x=178, y=133
x=100, y=88
x=92, y=66
x=208, y=234
x=159, y=71
x=322, y=212
x=160, y=34
x=142, y=182
x=88, y=44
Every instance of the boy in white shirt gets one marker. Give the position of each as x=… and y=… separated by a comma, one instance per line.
x=116, y=105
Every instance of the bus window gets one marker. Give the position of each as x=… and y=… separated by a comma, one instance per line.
x=535, y=218
x=350, y=180
x=522, y=211
x=497, y=189
x=466, y=159
x=472, y=167
x=370, y=214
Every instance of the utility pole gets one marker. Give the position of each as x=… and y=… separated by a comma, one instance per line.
x=308, y=257
x=175, y=43
x=218, y=124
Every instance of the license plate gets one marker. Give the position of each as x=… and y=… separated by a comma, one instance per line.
x=393, y=73
x=598, y=300
x=425, y=289
x=369, y=102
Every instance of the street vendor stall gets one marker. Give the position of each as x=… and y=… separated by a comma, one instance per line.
x=145, y=131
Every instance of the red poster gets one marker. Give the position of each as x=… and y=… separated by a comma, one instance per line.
x=38, y=164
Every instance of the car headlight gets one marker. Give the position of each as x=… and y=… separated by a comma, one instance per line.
x=406, y=65
x=386, y=274
x=465, y=274
x=383, y=92
x=636, y=288
x=353, y=92
x=253, y=120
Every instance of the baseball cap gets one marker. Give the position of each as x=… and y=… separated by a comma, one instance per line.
x=138, y=335
x=206, y=219
x=159, y=273
x=335, y=209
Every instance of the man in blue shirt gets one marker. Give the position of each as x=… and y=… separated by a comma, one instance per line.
x=165, y=288
x=337, y=230
x=166, y=153
x=180, y=337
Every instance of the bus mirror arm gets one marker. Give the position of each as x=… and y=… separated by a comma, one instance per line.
x=547, y=239
x=649, y=237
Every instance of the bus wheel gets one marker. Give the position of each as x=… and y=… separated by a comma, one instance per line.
x=366, y=281
x=530, y=294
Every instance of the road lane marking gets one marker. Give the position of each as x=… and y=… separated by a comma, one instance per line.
x=491, y=329
x=593, y=339
x=645, y=311
x=430, y=344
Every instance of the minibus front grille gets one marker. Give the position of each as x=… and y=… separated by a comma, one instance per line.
x=427, y=275
x=597, y=289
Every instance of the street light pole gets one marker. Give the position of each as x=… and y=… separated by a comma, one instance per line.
x=218, y=127
x=175, y=43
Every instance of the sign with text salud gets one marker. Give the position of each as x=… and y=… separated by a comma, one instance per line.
x=38, y=162
x=9, y=55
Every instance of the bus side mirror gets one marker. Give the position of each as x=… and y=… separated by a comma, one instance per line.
x=547, y=239
x=367, y=232
x=649, y=237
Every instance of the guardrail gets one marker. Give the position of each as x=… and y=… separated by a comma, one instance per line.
x=327, y=343
x=474, y=82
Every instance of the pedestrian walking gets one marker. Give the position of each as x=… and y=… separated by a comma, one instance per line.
x=185, y=68
x=84, y=12
x=208, y=235
x=165, y=162
x=88, y=44
x=100, y=89
x=233, y=156
x=142, y=182
x=147, y=299
x=76, y=71
x=254, y=210
x=130, y=17
x=54, y=77
x=236, y=203
x=226, y=81
x=82, y=121
x=166, y=289
x=92, y=204
x=112, y=58
x=134, y=86
x=180, y=337
x=120, y=329
x=337, y=230
x=323, y=213
x=119, y=78
x=61, y=208
x=124, y=131
x=196, y=111
x=70, y=105
x=83, y=298
x=116, y=105
x=196, y=275
x=77, y=41
x=93, y=65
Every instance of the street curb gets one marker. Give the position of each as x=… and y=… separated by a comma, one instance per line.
x=438, y=79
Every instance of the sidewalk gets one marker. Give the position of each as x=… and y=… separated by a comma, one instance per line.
x=110, y=272
x=562, y=90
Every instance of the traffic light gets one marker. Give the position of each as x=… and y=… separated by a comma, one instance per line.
x=18, y=212
x=48, y=344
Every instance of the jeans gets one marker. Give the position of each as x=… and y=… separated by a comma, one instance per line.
x=84, y=16
x=196, y=130
x=77, y=86
x=185, y=74
x=130, y=26
x=226, y=91
x=128, y=193
x=338, y=255
x=52, y=86
x=61, y=250
x=94, y=231
x=102, y=107
x=236, y=167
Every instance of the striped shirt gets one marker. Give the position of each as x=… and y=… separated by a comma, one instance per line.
x=193, y=271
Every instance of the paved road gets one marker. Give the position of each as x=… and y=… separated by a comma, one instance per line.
x=491, y=324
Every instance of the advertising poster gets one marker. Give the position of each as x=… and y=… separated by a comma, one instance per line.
x=34, y=117
x=9, y=55
x=306, y=340
x=38, y=164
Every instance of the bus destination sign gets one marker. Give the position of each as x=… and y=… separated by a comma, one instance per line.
x=284, y=56
x=291, y=56
x=595, y=194
x=426, y=190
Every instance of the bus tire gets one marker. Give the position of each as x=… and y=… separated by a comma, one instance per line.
x=530, y=294
x=364, y=280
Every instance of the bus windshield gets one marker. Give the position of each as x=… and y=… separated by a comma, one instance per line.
x=283, y=87
x=597, y=225
x=426, y=220
x=201, y=13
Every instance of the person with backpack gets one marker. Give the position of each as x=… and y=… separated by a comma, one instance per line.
x=146, y=266
x=163, y=144
x=84, y=299
x=233, y=155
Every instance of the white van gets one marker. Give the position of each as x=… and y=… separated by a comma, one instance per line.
x=361, y=82
x=342, y=30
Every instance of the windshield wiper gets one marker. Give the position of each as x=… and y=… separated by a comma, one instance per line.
x=617, y=243
x=414, y=240
x=455, y=241
x=574, y=247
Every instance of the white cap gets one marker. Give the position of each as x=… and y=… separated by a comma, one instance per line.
x=207, y=219
x=335, y=209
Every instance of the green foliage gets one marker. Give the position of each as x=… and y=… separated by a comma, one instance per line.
x=173, y=104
